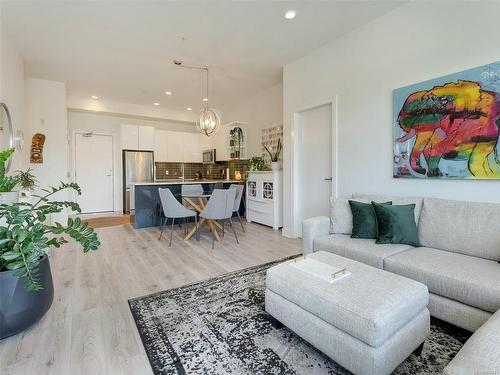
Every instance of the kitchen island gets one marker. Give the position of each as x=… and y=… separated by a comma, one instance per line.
x=147, y=200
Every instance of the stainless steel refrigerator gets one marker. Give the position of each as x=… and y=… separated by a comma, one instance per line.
x=138, y=166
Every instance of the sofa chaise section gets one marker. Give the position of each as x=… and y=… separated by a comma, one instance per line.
x=472, y=281
x=481, y=353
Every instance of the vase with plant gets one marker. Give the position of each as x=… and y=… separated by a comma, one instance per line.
x=26, y=288
x=275, y=156
x=27, y=182
x=7, y=183
x=256, y=163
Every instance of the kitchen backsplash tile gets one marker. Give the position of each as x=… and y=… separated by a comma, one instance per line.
x=207, y=170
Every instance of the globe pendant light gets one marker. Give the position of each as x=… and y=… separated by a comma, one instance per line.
x=209, y=122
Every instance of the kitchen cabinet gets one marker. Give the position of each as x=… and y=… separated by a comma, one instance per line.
x=134, y=137
x=175, y=147
x=129, y=137
x=146, y=138
x=191, y=152
x=160, y=145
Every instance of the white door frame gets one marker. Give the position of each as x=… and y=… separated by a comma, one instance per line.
x=73, y=163
x=296, y=155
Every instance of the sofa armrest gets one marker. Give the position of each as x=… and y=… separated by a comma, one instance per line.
x=312, y=228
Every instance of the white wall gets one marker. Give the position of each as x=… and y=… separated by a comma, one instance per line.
x=12, y=86
x=106, y=123
x=46, y=114
x=415, y=42
x=259, y=111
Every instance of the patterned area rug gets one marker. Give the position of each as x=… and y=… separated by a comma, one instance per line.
x=219, y=326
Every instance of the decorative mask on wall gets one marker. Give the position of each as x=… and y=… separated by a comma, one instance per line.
x=36, y=152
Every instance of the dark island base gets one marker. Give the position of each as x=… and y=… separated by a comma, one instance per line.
x=148, y=212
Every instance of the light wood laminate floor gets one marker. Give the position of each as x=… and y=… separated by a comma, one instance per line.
x=89, y=328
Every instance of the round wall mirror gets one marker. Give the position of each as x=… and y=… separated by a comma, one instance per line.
x=6, y=132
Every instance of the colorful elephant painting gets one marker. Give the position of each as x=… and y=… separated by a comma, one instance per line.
x=449, y=131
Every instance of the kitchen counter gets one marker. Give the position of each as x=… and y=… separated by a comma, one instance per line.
x=147, y=206
x=186, y=182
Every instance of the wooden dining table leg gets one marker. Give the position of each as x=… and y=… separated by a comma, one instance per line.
x=211, y=223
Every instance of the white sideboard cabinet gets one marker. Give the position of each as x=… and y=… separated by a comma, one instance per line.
x=264, y=203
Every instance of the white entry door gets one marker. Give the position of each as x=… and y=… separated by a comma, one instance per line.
x=94, y=171
x=314, y=164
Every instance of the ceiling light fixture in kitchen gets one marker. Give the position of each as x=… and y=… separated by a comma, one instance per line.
x=209, y=122
x=189, y=108
x=290, y=14
x=168, y=92
x=156, y=104
x=95, y=97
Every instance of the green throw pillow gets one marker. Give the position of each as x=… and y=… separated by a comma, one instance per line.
x=364, y=221
x=396, y=224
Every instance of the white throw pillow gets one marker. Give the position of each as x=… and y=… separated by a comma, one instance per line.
x=341, y=215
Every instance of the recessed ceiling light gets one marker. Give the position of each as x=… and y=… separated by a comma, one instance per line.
x=189, y=108
x=168, y=92
x=156, y=103
x=205, y=99
x=290, y=14
x=94, y=97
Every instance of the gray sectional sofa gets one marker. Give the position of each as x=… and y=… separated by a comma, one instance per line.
x=457, y=260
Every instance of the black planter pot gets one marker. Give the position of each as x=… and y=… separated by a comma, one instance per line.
x=19, y=308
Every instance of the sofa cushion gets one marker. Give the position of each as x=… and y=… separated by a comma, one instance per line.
x=370, y=304
x=396, y=224
x=462, y=227
x=418, y=201
x=341, y=215
x=364, y=220
x=481, y=353
x=362, y=250
x=470, y=280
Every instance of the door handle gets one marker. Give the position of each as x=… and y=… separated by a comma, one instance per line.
x=328, y=179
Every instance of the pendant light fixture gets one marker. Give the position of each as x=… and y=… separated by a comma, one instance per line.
x=209, y=122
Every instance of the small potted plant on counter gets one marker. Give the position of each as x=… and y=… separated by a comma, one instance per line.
x=26, y=288
x=256, y=163
x=275, y=156
x=7, y=183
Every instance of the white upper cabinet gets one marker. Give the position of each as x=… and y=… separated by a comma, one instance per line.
x=129, y=137
x=134, y=137
x=146, y=138
x=191, y=147
x=175, y=147
x=160, y=149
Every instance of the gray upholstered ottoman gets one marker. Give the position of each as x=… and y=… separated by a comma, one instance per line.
x=369, y=322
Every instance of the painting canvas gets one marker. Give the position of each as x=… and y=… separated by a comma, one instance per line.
x=448, y=127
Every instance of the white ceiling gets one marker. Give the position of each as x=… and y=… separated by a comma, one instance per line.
x=123, y=51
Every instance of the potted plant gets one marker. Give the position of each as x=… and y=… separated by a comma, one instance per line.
x=256, y=163
x=26, y=288
x=7, y=183
x=275, y=156
x=27, y=183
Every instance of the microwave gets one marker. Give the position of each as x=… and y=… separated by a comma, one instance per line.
x=208, y=156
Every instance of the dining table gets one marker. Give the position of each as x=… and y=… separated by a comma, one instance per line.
x=198, y=202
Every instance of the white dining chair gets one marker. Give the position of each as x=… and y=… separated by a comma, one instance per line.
x=237, y=201
x=220, y=208
x=173, y=209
